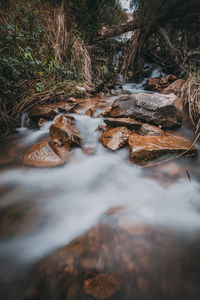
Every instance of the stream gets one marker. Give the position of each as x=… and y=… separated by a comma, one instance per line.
x=98, y=214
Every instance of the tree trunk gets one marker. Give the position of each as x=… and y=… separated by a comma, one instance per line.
x=117, y=30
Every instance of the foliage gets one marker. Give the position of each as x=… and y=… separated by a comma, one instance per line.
x=41, y=48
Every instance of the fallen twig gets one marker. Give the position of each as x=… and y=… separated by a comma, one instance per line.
x=170, y=159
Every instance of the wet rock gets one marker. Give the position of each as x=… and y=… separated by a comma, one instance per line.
x=43, y=111
x=72, y=100
x=103, y=127
x=42, y=155
x=115, y=138
x=147, y=129
x=167, y=80
x=157, y=84
x=127, y=122
x=18, y=218
x=41, y=122
x=102, y=286
x=153, y=84
x=174, y=88
x=49, y=111
x=144, y=148
x=61, y=150
x=63, y=132
x=128, y=261
x=157, y=109
x=91, y=112
x=107, y=112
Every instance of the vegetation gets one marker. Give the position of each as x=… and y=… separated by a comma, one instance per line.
x=43, y=52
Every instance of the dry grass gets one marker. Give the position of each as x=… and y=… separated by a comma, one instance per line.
x=190, y=93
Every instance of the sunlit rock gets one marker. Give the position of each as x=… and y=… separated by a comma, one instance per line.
x=151, y=147
x=115, y=138
x=157, y=109
x=42, y=155
x=102, y=286
x=64, y=132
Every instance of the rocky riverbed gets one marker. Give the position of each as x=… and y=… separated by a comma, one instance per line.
x=85, y=215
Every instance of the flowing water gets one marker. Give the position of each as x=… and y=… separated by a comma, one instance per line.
x=141, y=224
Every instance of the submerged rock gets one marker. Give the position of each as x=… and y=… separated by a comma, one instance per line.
x=151, y=147
x=127, y=122
x=89, y=149
x=42, y=155
x=157, y=109
x=102, y=286
x=63, y=132
x=147, y=129
x=174, y=88
x=115, y=138
x=49, y=111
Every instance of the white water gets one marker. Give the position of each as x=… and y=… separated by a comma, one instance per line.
x=72, y=198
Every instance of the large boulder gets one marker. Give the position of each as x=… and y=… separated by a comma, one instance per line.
x=49, y=111
x=115, y=138
x=42, y=155
x=64, y=132
x=157, y=109
x=144, y=148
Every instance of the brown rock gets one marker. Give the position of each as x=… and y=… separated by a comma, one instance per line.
x=42, y=155
x=102, y=286
x=150, y=147
x=72, y=100
x=49, y=111
x=115, y=138
x=174, y=88
x=127, y=122
x=107, y=112
x=157, y=109
x=61, y=150
x=153, y=84
x=91, y=112
x=167, y=80
x=157, y=84
x=147, y=129
x=64, y=132
x=41, y=122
